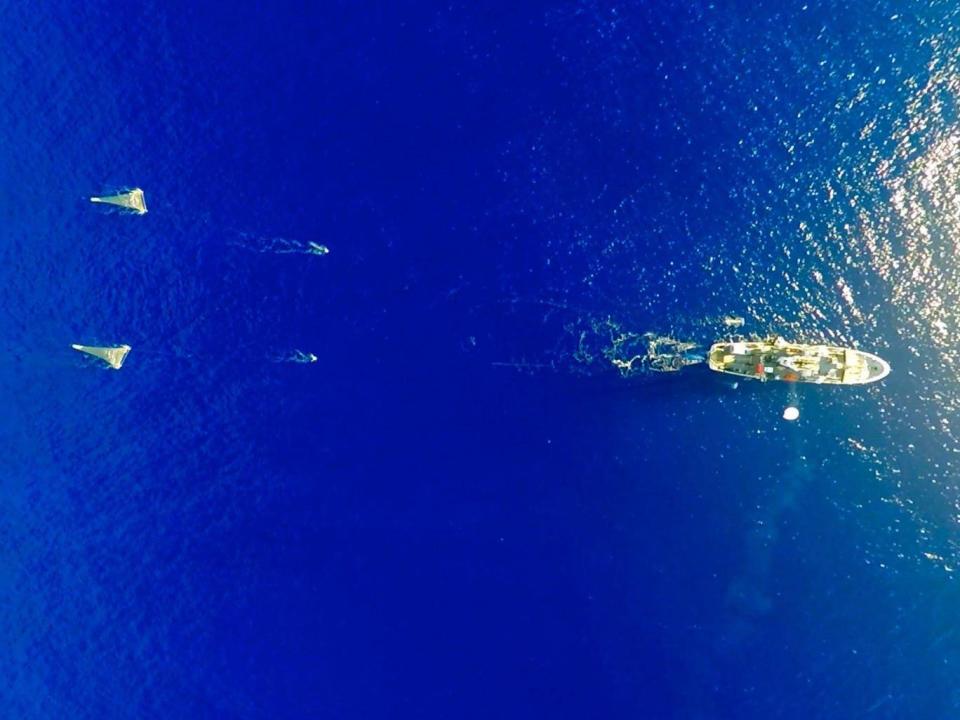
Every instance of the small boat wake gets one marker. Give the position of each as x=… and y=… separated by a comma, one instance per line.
x=295, y=356
x=278, y=245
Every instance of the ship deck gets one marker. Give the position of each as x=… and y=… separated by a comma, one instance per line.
x=776, y=359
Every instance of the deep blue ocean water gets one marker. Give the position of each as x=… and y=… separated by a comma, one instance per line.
x=463, y=509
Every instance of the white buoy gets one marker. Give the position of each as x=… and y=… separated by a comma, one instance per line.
x=791, y=413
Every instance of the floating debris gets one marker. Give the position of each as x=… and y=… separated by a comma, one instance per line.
x=113, y=356
x=132, y=200
x=791, y=413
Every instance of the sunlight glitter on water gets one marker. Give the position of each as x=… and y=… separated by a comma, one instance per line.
x=907, y=239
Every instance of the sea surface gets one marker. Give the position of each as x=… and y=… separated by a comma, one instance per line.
x=464, y=508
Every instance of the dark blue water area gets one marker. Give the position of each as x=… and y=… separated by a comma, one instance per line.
x=411, y=526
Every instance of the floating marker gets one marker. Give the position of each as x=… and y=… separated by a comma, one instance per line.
x=113, y=356
x=791, y=413
x=132, y=200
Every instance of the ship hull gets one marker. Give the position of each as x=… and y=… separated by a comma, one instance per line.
x=776, y=359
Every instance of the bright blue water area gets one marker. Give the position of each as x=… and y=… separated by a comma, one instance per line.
x=462, y=508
